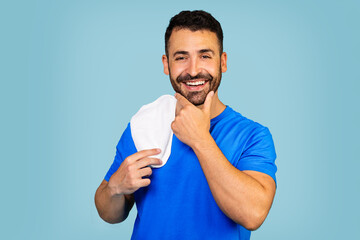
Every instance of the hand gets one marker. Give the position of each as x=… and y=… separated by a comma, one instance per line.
x=191, y=124
x=129, y=176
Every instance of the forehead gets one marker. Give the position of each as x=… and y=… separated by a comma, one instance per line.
x=187, y=40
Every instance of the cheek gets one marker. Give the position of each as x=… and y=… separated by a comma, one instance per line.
x=212, y=68
x=175, y=71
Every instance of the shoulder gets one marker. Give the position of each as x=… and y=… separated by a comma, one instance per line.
x=244, y=124
x=247, y=132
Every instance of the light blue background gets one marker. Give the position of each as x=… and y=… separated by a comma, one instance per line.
x=74, y=72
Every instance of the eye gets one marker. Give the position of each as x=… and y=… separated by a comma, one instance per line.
x=179, y=58
x=205, y=56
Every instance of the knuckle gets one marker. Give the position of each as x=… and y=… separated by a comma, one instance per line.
x=132, y=182
x=132, y=176
x=176, y=120
x=129, y=168
x=132, y=157
x=126, y=161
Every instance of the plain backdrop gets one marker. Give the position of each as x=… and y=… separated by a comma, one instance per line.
x=74, y=72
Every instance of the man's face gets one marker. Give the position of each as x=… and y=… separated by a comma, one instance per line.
x=194, y=63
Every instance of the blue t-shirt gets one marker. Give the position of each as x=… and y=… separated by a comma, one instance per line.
x=178, y=203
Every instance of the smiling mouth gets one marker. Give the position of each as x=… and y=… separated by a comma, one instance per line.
x=195, y=85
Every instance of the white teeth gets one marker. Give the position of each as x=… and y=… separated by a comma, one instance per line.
x=195, y=83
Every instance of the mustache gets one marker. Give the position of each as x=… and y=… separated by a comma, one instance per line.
x=187, y=77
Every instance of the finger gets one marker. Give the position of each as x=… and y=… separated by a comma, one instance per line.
x=182, y=100
x=144, y=162
x=178, y=108
x=144, y=182
x=144, y=153
x=145, y=172
x=207, y=103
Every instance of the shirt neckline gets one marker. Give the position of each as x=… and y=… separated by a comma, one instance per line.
x=222, y=115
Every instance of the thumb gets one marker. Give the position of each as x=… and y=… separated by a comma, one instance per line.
x=208, y=100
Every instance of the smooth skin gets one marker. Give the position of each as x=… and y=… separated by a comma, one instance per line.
x=244, y=196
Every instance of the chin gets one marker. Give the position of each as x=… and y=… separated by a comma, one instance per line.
x=196, y=99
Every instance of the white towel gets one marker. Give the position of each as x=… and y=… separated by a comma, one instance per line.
x=151, y=127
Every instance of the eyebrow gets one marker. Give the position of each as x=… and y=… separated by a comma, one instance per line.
x=181, y=53
x=200, y=51
x=206, y=51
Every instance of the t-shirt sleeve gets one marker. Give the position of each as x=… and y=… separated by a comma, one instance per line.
x=124, y=148
x=259, y=153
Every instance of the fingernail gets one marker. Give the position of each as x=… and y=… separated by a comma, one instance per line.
x=158, y=150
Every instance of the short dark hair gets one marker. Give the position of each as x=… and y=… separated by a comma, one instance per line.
x=194, y=21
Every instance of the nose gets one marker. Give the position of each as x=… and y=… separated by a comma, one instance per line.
x=194, y=68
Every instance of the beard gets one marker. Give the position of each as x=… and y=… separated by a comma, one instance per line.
x=196, y=97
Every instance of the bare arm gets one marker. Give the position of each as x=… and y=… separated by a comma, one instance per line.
x=114, y=199
x=112, y=208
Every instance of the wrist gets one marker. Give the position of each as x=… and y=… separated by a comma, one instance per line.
x=113, y=191
x=204, y=143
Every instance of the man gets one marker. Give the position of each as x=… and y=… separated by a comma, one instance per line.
x=219, y=182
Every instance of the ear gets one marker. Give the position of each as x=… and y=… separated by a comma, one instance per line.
x=223, y=62
x=166, y=64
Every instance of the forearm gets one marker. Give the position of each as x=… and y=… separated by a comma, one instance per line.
x=111, y=208
x=241, y=197
x=114, y=199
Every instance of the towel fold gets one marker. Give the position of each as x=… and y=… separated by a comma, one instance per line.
x=151, y=127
